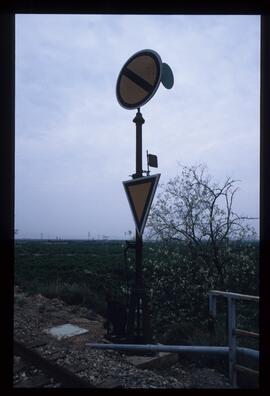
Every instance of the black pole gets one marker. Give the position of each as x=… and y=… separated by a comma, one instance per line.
x=139, y=121
x=138, y=292
x=138, y=320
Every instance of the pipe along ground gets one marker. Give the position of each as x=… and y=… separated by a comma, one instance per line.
x=208, y=350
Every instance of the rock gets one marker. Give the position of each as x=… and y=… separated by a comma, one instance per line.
x=104, y=368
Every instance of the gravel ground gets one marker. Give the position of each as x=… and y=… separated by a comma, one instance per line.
x=34, y=314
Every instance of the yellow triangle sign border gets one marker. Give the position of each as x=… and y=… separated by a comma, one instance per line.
x=140, y=221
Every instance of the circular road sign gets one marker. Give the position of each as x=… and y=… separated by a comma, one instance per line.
x=139, y=79
x=167, y=76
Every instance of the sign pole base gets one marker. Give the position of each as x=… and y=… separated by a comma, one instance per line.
x=138, y=326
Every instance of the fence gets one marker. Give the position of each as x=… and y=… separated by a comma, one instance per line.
x=233, y=332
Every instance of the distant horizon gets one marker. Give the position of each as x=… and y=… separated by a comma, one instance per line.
x=117, y=239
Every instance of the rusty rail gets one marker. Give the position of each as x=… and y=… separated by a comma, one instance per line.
x=246, y=333
x=60, y=374
x=245, y=369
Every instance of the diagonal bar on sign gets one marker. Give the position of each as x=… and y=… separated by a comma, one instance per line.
x=138, y=80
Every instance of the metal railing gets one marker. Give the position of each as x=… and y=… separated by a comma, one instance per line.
x=233, y=332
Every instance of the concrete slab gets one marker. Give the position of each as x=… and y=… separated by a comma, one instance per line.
x=162, y=360
x=65, y=331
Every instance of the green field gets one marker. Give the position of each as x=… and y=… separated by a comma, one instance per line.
x=82, y=272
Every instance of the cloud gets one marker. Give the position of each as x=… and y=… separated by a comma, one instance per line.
x=74, y=143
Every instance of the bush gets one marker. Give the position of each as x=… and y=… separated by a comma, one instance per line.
x=74, y=294
x=180, y=284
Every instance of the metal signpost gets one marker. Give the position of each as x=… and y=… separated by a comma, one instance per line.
x=137, y=82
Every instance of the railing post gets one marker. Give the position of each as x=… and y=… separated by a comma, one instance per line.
x=232, y=330
x=212, y=314
x=212, y=305
x=232, y=340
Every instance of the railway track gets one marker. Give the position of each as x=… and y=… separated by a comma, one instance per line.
x=45, y=373
x=45, y=361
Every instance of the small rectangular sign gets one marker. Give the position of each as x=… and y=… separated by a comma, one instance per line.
x=152, y=160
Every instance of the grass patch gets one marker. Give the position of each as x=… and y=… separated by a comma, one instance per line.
x=74, y=294
x=81, y=273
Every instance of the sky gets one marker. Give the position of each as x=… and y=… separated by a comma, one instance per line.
x=75, y=144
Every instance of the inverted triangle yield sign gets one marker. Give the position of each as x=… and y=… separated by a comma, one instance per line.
x=140, y=193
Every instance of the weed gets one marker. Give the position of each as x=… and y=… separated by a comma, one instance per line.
x=20, y=300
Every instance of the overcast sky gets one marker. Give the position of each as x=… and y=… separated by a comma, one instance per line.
x=75, y=144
